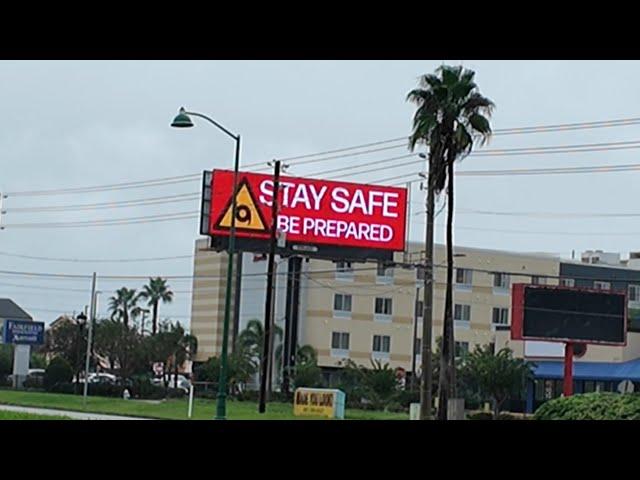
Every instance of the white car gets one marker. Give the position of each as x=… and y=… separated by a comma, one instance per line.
x=102, y=378
x=183, y=382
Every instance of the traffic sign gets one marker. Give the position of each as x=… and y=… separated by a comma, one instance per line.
x=248, y=215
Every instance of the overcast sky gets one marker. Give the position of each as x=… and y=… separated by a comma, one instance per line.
x=79, y=123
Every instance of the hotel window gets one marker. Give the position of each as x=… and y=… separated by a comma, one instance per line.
x=340, y=340
x=501, y=280
x=634, y=293
x=598, y=285
x=344, y=270
x=462, y=313
x=567, y=282
x=384, y=271
x=341, y=305
x=500, y=316
x=381, y=343
x=463, y=276
x=462, y=349
x=383, y=306
x=537, y=280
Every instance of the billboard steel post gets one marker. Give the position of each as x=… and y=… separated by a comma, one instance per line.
x=268, y=306
x=568, y=369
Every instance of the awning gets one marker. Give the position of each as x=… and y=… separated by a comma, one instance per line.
x=591, y=370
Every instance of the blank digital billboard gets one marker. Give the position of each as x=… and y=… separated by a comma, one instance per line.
x=562, y=314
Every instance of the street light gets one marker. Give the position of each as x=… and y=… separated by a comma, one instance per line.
x=183, y=120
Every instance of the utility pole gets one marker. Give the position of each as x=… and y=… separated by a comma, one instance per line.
x=417, y=315
x=2, y=212
x=269, y=302
x=90, y=320
x=427, y=317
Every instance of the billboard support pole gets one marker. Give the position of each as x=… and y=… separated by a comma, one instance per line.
x=268, y=307
x=568, y=369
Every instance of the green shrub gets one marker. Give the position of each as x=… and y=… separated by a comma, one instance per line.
x=58, y=371
x=591, y=406
x=489, y=416
x=105, y=390
x=33, y=383
x=62, y=387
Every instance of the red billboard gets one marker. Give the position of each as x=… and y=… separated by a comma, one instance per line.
x=310, y=211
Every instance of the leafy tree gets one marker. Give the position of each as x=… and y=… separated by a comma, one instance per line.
x=306, y=372
x=58, y=371
x=496, y=376
x=69, y=341
x=6, y=359
x=123, y=305
x=154, y=292
x=451, y=116
x=241, y=366
x=122, y=346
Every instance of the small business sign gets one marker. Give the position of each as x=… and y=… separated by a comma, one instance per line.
x=20, y=332
x=319, y=402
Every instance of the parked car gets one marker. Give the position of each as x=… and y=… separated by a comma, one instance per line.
x=183, y=382
x=102, y=378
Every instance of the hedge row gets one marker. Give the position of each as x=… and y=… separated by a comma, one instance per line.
x=591, y=406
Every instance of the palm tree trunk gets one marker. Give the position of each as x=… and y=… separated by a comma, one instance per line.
x=427, y=314
x=155, y=317
x=447, y=375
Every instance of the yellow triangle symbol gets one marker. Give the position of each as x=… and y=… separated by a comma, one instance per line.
x=248, y=216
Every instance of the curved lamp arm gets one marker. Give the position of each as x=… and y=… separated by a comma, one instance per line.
x=211, y=120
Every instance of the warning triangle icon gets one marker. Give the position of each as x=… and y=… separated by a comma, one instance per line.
x=248, y=215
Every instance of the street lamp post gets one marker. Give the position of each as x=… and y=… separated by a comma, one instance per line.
x=183, y=120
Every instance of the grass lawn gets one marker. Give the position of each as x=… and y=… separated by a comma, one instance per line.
x=28, y=416
x=175, y=409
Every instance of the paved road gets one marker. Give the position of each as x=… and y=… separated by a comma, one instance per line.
x=66, y=413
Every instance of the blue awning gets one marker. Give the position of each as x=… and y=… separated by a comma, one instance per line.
x=591, y=370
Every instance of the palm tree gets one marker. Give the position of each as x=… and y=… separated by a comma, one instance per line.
x=123, y=305
x=155, y=292
x=451, y=116
x=252, y=338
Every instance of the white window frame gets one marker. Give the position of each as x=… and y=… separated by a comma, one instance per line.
x=461, y=322
x=381, y=353
x=538, y=280
x=600, y=285
x=384, y=275
x=383, y=317
x=635, y=298
x=501, y=287
x=503, y=314
x=467, y=279
x=344, y=271
x=340, y=352
x=342, y=313
x=567, y=282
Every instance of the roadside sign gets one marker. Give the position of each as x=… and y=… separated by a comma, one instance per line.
x=21, y=332
x=626, y=386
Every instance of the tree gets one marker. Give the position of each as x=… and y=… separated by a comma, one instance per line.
x=376, y=387
x=451, y=117
x=6, y=359
x=122, y=346
x=306, y=372
x=69, y=341
x=123, y=305
x=154, y=292
x=497, y=377
x=252, y=338
x=58, y=371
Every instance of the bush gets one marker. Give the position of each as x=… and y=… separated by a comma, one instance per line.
x=105, y=390
x=33, y=383
x=62, y=387
x=591, y=406
x=58, y=371
x=489, y=416
x=5, y=381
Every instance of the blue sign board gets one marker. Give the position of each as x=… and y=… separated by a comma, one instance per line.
x=21, y=332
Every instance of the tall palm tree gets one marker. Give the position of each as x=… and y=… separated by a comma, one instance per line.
x=451, y=116
x=252, y=338
x=154, y=292
x=123, y=304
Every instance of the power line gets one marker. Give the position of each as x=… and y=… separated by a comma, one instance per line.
x=108, y=222
x=102, y=260
x=545, y=214
x=102, y=205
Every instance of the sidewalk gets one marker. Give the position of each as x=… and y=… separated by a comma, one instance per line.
x=67, y=413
